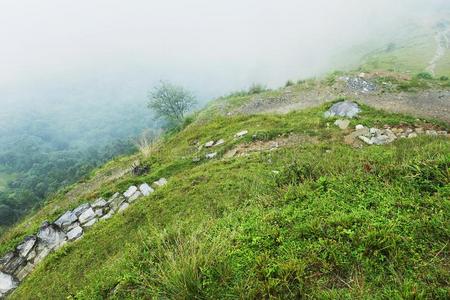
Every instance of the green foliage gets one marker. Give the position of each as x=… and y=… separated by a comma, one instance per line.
x=256, y=89
x=424, y=75
x=443, y=78
x=289, y=83
x=331, y=222
x=171, y=102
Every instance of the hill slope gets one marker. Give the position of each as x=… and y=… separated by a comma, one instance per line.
x=288, y=210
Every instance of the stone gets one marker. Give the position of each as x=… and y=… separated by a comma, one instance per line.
x=51, y=236
x=146, y=189
x=365, y=139
x=359, y=126
x=22, y=272
x=343, y=109
x=116, y=201
x=90, y=223
x=209, y=144
x=431, y=132
x=211, y=155
x=80, y=209
x=241, y=133
x=41, y=252
x=196, y=159
x=66, y=220
x=123, y=207
x=351, y=138
x=14, y=261
x=7, y=283
x=219, y=142
x=160, y=182
x=87, y=216
x=5, y=259
x=75, y=233
x=135, y=196
x=98, y=212
x=26, y=246
x=131, y=190
x=108, y=215
x=230, y=153
x=342, y=124
x=419, y=130
x=72, y=226
x=412, y=135
x=99, y=203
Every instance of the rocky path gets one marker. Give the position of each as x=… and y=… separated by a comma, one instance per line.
x=443, y=44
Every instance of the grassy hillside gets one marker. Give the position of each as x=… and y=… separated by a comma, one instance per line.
x=314, y=218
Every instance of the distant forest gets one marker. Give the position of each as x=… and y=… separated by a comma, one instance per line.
x=47, y=145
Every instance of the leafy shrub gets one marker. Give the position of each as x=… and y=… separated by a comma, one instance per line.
x=424, y=75
x=256, y=88
x=443, y=78
x=289, y=83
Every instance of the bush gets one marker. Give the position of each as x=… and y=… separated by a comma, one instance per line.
x=424, y=75
x=289, y=83
x=443, y=78
x=256, y=88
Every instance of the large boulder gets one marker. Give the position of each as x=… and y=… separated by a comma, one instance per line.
x=99, y=203
x=26, y=246
x=135, y=196
x=346, y=109
x=7, y=283
x=75, y=233
x=11, y=262
x=115, y=201
x=81, y=209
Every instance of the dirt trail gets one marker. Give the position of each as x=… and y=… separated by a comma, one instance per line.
x=443, y=43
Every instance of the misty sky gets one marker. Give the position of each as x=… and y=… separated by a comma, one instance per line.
x=210, y=46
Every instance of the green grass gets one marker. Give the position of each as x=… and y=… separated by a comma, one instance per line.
x=332, y=222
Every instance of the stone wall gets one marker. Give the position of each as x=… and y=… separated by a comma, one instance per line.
x=16, y=265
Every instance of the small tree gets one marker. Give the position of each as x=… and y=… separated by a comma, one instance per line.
x=171, y=102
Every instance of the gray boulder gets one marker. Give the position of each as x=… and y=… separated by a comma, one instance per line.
x=75, y=233
x=26, y=246
x=11, y=262
x=7, y=283
x=135, y=196
x=123, y=207
x=90, y=223
x=51, y=235
x=343, y=109
x=116, y=201
x=160, y=182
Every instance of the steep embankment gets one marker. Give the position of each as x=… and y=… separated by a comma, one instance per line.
x=296, y=207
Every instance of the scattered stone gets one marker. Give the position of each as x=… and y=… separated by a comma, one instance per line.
x=230, y=153
x=99, y=203
x=211, y=155
x=161, y=182
x=12, y=262
x=359, y=126
x=116, y=201
x=343, y=109
x=146, y=189
x=219, y=142
x=350, y=139
x=7, y=283
x=75, y=233
x=123, y=207
x=419, y=130
x=99, y=212
x=359, y=84
x=108, y=215
x=81, y=209
x=131, y=190
x=412, y=135
x=72, y=226
x=135, y=196
x=342, y=124
x=196, y=159
x=87, y=216
x=209, y=144
x=241, y=133
x=365, y=139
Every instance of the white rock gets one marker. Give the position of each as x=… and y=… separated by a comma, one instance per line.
x=374, y=130
x=90, y=223
x=116, y=201
x=75, y=233
x=241, y=133
x=365, y=139
x=135, y=196
x=87, y=216
x=99, y=203
x=131, y=190
x=209, y=144
x=342, y=124
x=219, y=142
x=7, y=283
x=412, y=135
x=211, y=155
x=146, y=189
x=72, y=226
x=343, y=109
x=123, y=207
x=161, y=182
x=359, y=126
